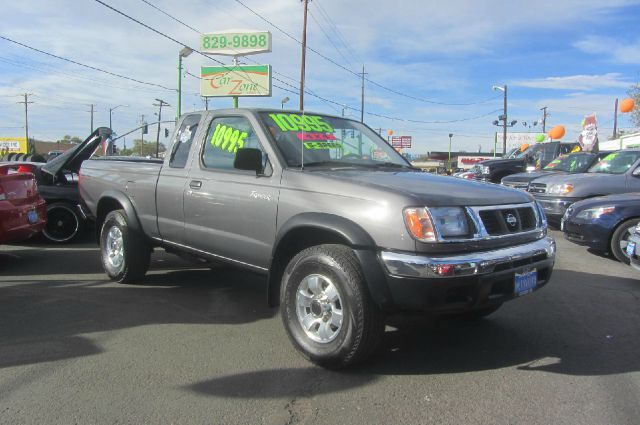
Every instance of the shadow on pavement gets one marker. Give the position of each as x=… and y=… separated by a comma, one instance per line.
x=582, y=324
x=44, y=321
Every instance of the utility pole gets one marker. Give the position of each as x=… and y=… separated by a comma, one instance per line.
x=544, y=119
x=304, y=53
x=615, y=120
x=91, y=112
x=26, y=121
x=450, y=137
x=362, y=97
x=206, y=103
x=160, y=103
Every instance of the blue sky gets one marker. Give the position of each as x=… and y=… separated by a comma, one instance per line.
x=574, y=56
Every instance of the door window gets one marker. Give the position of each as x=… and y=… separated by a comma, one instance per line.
x=183, y=140
x=225, y=136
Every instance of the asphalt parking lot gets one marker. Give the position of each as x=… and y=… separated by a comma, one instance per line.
x=200, y=346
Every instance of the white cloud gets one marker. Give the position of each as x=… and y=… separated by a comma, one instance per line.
x=620, y=51
x=576, y=82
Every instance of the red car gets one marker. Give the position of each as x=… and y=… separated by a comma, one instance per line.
x=22, y=211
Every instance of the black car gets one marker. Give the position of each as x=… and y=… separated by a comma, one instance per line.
x=534, y=158
x=578, y=162
x=58, y=185
x=605, y=223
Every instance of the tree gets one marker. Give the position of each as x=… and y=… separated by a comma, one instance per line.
x=634, y=93
x=70, y=139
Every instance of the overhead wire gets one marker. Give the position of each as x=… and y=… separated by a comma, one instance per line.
x=85, y=65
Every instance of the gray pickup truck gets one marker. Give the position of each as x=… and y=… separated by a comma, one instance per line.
x=345, y=229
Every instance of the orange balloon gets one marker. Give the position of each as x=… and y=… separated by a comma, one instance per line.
x=524, y=147
x=389, y=132
x=557, y=132
x=627, y=105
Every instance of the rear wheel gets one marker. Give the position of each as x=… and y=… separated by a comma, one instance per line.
x=63, y=222
x=125, y=254
x=620, y=240
x=326, y=307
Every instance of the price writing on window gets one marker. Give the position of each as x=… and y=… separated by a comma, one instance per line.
x=228, y=138
x=297, y=122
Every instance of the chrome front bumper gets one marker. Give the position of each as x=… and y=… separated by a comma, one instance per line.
x=477, y=263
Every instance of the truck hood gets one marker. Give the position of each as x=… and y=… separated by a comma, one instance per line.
x=429, y=189
x=72, y=158
x=588, y=184
x=527, y=177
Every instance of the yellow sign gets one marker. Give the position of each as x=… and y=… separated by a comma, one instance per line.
x=13, y=144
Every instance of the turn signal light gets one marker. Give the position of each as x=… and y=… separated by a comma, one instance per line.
x=419, y=224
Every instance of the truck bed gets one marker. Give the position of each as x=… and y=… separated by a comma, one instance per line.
x=135, y=177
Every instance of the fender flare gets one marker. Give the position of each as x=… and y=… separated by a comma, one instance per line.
x=132, y=216
x=355, y=236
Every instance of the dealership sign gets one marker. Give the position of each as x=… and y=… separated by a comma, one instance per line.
x=236, y=43
x=403, y=142
x=468, y=161
x=13, y=144
x=243, y=80
x=515, y=140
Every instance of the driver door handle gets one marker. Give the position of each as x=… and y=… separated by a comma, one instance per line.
x=195, y=184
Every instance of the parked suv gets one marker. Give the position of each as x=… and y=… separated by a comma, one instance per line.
x=534, y=157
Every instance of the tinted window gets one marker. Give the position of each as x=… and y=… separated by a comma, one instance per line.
x=183, y=140
x=616, y=162
x=223, y=139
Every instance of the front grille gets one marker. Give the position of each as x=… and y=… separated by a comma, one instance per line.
x=505, y=221
x=537, y=188
x=517, y=185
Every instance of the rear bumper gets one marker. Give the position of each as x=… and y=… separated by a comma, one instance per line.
x=465, y=282
x=14, y=222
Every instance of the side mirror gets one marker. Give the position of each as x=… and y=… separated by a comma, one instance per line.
x=636, y=172
x=248, y=159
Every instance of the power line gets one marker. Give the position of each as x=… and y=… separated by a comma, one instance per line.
x=84, y=65
x=357, y=74
x=339, y=34
x=329, y=38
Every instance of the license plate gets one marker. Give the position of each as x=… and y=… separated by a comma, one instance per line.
x=32, y=216
x=631, y=249
x=526, y=282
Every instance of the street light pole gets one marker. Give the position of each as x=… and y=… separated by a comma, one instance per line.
x=184, y=52
x=283, y=101
x=450, y=137
x=504, y=131
x=160, y=103
x=111, y=110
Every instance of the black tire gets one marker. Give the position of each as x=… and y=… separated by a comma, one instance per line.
x=362, y=323
x=620, y=238
x=134, y=250
x=64, y=222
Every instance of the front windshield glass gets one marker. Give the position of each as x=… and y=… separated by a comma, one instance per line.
x=529, y=151
x=574, y=163
x=325, y=140
x=616, y=162
x=511, y=153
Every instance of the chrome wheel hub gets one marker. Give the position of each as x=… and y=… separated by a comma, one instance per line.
x=114, y=246
x=319, y=308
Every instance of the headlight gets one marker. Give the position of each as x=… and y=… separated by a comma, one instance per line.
x=485, y=169
x=560, y=189
x=595, y=213
x=449, y=222
x=541, y=214
x=638, y=228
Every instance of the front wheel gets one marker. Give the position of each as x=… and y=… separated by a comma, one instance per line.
x=125, y=254
x=620, y=240
x=326, y=308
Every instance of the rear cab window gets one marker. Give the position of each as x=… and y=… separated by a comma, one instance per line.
x=183, y=140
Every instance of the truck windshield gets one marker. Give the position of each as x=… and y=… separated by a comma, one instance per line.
x=616, y=162
x=531, y=150
x=323, y=140
x=574, y=163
